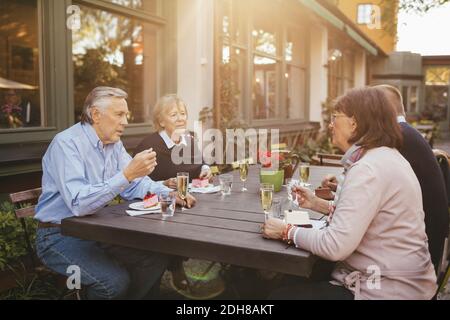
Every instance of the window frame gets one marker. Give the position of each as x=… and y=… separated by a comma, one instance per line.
x=56, y=69
x=358, y=14
x=246, y=89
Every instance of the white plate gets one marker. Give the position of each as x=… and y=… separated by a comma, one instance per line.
x=208, y=186
x=140, y=207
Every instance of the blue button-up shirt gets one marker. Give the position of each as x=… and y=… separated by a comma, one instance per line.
x=81, y=175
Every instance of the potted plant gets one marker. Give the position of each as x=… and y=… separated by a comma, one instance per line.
x=270, y=172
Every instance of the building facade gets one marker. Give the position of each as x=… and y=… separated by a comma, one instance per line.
x=376, y=18
x=261, y=63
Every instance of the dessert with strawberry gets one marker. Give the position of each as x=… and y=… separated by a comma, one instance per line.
x=200, y=183
x=150, y=200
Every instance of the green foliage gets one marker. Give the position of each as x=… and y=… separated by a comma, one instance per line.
x=420, y=6
x=12, y=241
x=30, y=286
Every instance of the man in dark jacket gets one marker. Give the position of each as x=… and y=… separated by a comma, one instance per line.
x=434, y=194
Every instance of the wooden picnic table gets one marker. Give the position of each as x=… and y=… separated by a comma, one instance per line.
x=221, y=229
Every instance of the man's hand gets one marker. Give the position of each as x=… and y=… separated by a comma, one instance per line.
x=142, y=165
x=171, y=183
x=189, y=202
x=330, y=181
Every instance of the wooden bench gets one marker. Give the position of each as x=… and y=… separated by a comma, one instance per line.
x=325, y=159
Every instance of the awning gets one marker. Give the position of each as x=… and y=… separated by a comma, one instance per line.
x=9, y=84
x=338, y=23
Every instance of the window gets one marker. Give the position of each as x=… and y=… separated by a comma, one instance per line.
x=437, y=92
x=405, y=98
x=341, y=69
x=265, y=68
x=20, y=84
x=295, y=75
x=413, y=97
x=365, y=13
x=233, y=55
x=263, y=62
x=349, y=71
x=119, y=51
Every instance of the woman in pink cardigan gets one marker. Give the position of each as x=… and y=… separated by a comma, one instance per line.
x=376, y=229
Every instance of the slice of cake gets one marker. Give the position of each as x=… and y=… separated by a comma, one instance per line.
x=150, y=200
x=200, y=183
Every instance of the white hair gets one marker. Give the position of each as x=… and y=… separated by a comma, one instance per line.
x=163, y=105
x=100, y=98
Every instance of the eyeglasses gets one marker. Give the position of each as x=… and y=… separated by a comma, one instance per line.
x=335, y=115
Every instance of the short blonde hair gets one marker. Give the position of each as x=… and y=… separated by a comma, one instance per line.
x=162, y=107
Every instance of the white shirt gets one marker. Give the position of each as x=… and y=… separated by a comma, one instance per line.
x=401, y=119
x=170, y=144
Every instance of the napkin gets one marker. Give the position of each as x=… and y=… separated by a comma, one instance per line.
x=210, y=189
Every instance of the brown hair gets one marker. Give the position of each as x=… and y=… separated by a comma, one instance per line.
x=375, y=118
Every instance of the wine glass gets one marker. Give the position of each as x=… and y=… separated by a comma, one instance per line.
x=243, y=174
x=182, y=187
x=304, y=174
x=266, y=198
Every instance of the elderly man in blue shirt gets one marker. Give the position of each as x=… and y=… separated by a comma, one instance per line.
x=84, y=168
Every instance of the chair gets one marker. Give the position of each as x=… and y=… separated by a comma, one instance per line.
x=443, y=160
x=443, y=274
x=24, y=207
x=324, y=159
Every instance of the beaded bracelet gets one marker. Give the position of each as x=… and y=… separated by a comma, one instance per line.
x=286, y=234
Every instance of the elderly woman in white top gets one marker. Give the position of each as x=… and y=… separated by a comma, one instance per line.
x=376, y=229
x=170, y=121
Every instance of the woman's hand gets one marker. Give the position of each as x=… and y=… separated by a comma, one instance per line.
x=330, y=181
x=273, y=229
x=171, y=183
x=206, y=174
x=305, y=197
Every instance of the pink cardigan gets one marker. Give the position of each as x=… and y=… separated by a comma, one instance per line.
x=377, y=231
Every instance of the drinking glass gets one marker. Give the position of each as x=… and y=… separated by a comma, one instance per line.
x=276, y=208
x=168, y=202
x=266, y=198
x=182, y=186
x=226, y=184
x=243, y=174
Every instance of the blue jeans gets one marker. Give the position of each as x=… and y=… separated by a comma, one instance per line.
x=107, y=271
